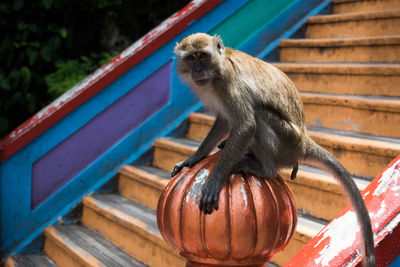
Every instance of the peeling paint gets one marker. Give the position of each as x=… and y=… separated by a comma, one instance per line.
x=388, y=229
x=195, y=190
x=340, y=122
x=317, y=122
x=243, y=193
x=342, y=248
x=378, y=214
x=387, y=180
x=256, y=181
x=179, y=183
x=342, y=233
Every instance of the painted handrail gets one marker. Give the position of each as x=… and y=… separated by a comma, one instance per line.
x=338, y=244
x=102, y=77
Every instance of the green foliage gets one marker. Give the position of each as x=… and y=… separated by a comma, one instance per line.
x=72, y=71
x=48, y=46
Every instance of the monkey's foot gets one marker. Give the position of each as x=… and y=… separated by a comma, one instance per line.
x=210, y=195
x=294, y=171
x=222, y=144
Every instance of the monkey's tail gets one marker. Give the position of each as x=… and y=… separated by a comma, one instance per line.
x=322, y=158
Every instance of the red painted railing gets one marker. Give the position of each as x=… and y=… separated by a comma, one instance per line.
x=338, y=244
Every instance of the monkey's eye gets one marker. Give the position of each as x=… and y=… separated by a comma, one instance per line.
x=203, y=55
x=190, y=58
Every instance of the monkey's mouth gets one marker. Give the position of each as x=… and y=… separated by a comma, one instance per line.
x=201, y=82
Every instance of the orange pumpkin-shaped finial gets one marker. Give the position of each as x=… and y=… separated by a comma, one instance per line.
x=256, y=218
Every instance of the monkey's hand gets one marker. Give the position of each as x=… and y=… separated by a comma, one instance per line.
x=189, y=162
x=210, y=193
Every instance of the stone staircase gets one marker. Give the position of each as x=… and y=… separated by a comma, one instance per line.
x=348, y=72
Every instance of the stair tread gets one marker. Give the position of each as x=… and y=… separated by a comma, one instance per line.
x=382, y=103
x=33, y=260
x=362, y=181
x=306, y=225
x=343, y=41
x=154, y=170
x=364, y=15
x=94, y=244
x=184, y=141
x=395, y=142
x=309, y=226
x=130, y=208
x=348, y=1
x=343, y=68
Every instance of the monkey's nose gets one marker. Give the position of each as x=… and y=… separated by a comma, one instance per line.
x=198, y=68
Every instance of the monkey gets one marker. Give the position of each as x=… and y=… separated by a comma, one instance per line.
x=260, y=110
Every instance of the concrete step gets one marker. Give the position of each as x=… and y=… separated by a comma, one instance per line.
x=168, y=151
x=352, y=79
x=371, y=115
x=305, y=230
x=31, y=260
x=358, y=49
x=374, y=23
x=133, y=227
x=361, y=154
x=351, y=6
x=130, y=226
x=74, y=245
x=316, y=192
x=142, y=184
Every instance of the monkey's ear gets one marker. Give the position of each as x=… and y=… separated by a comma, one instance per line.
x=178, y=50
x=219, y=44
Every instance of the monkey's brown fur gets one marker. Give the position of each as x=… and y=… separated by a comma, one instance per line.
x=261, y=110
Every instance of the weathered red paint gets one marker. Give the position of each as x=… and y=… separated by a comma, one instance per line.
x=333, y=247
x=142, y=48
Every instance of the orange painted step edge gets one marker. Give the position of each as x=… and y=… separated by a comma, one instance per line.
x=143, y=177
x=353, y=102
x=354, y=16
x=125, y=220
x=353, y=143
x=341, y=42
x=78, y=253
x=327, y=68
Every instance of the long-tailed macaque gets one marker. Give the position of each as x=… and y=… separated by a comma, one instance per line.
x=260, y=109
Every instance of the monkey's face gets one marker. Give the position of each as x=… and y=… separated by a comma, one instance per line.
x=198, y=63
x=198, y=57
